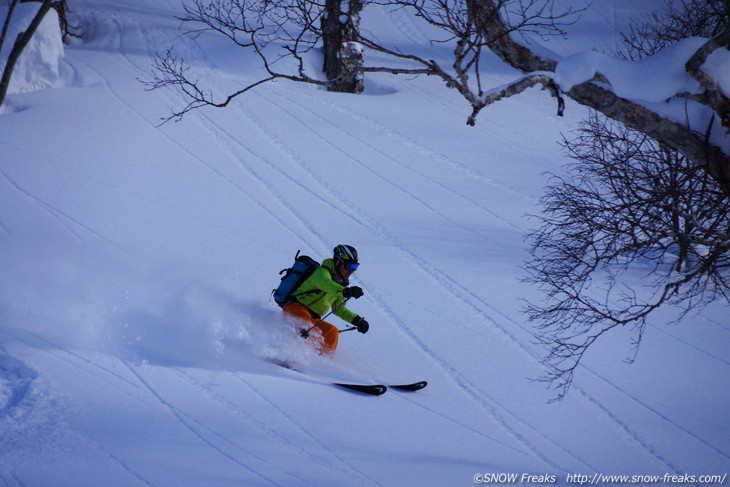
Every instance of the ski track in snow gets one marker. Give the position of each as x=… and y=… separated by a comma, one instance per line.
x=488, y=403
x=123, y=465
x=356, y=215
x=230, y=143
x=9, y=479
x=722, y=326
x=369, y=480
x=145, y=198
x=227, y=180
x=464, y=426
x=691, y=346
x=345, y=471
x=205, y=121
x=370, y=147
x=632, y=435
x=425, y=151
x=650, y=409
x=204, y=433
x=82, y=363
x=63, y=218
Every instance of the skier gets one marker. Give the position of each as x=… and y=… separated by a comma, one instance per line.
x=328, y=287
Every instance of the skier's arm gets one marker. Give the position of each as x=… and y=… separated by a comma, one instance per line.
x=342, y=311
x=322, y=279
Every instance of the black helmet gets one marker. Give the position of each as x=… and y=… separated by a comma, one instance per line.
x=345, y=253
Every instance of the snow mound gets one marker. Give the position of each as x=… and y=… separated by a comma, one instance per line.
x=38, y=65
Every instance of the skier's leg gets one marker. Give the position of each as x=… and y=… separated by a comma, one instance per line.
x=298, y=311
x=327, y=343
x=330, y=335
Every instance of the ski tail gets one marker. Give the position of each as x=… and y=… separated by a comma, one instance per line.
x=372, y=389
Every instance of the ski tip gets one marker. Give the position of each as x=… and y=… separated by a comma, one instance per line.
x=371, y=389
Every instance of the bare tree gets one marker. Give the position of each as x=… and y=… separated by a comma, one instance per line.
x=673, y=22
x=629, y=205
x=628, y=208
x=278, y=31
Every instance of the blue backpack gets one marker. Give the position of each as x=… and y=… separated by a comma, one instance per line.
x=293, y=277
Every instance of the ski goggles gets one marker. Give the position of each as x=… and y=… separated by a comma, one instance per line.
x=351, y=266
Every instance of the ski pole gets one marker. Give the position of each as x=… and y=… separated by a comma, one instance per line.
x=305, y=331
x=348, y=329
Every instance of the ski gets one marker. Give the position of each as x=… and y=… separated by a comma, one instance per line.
x=416, y=386
x=378, y=389
x=372, y=389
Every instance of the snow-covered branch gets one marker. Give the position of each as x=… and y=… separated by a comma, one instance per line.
x=716, y=95
x=665, y=120
x=546, y=79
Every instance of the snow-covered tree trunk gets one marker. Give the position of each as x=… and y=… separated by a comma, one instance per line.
x=342, y=50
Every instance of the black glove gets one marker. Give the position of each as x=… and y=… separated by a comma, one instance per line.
x=362, y=325
x=352, y=292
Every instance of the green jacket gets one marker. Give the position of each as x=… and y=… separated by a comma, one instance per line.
x=322, y=290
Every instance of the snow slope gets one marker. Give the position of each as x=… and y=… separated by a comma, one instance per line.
x=137, y=262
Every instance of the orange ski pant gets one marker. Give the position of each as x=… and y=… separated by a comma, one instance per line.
x=330, y=333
